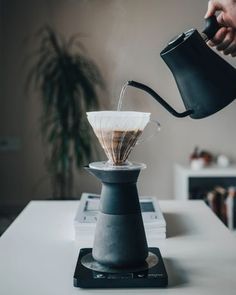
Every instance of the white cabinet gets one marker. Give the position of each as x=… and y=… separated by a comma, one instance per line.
x=190, y=184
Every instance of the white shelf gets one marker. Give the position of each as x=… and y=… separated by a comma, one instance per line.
x=182, y=174
x=208, y=171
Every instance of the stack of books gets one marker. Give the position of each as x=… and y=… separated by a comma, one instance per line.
x=87, y=214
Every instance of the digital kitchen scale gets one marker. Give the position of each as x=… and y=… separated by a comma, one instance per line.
x=90, y=274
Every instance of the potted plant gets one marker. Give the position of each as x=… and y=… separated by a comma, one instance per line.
x=68, y=82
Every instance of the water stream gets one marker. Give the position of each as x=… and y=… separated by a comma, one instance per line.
x=122, y=93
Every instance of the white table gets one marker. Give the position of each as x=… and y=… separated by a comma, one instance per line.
x=38, y=254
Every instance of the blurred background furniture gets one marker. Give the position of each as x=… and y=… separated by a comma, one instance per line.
x=213, y=184
x=194, y=184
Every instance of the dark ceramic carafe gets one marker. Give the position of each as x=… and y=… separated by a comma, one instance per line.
x=206, y=82
x=120, y=239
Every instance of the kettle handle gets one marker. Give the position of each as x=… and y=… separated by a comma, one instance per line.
x=159, y=99
x=211, y=27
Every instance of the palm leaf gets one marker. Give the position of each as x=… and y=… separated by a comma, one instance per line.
x=68, y=81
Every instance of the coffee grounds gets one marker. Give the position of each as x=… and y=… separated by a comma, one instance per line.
x=118, y=144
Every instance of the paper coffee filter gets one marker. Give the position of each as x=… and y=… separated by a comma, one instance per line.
x=115, y=119
x=117, y=132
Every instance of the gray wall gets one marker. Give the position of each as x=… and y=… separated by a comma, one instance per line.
x=124, y=37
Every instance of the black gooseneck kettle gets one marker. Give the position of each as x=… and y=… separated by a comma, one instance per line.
x=206, y=82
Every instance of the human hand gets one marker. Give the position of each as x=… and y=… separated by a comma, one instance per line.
x=225, y=38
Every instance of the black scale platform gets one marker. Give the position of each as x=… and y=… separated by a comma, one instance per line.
x=88, y=273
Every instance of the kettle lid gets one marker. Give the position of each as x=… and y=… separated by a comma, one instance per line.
x=211, y=27
x=177, y=40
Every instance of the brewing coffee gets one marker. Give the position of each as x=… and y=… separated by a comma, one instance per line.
x=118, y=144
x=118, y=132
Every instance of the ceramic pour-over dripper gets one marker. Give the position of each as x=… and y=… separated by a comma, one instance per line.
x=118, y=132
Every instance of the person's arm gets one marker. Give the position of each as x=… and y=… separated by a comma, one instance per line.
x=225, y=38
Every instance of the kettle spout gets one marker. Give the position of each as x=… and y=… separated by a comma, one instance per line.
x=159, y=99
